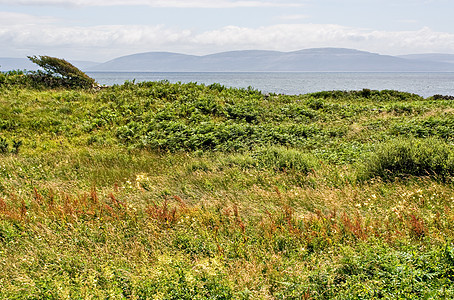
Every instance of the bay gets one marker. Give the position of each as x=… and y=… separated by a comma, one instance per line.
x=294, y=83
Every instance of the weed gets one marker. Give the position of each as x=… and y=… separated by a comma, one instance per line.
x=417, y=228
x=3, y=145
x=16, y=146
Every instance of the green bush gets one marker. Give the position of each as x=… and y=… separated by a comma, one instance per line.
x=409, y=157
x=59, y=72
x=442, y=97
x=379, y=96
x=283, y=159
x=441, y=127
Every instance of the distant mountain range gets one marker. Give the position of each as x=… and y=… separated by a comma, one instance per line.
x=309, y=60
x=431, y=57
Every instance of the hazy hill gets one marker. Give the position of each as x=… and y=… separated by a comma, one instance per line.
x=432, y=57
x=318, y=59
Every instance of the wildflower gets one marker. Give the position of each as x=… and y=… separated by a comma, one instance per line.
x=142, y=181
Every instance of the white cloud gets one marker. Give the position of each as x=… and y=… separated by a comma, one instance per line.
x=40, y=36
x=298, y=36
x=160, y=3
x=289, y=37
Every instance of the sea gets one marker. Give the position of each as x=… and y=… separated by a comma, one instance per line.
x=295, y=83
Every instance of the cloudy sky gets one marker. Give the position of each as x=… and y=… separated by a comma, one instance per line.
x=99, y=30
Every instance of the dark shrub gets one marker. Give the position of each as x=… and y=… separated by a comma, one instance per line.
x=442, y=97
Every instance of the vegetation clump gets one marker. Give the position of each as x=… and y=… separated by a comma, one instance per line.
x=283, y=159
x=59, y=72
x=4, y=146
x=442, y=97
x=157, y=190
x=400, y=158
x=56, y=73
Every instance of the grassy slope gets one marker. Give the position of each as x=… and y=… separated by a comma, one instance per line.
x=182, y=191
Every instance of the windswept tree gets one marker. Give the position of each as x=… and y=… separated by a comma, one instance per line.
x=62, y=72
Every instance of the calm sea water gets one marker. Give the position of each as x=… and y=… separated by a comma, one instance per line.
x=293, y=83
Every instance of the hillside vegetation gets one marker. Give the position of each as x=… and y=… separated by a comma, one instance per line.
x=157, y=190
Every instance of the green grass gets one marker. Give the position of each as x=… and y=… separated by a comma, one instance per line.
x=410, y=157
x=184, y=191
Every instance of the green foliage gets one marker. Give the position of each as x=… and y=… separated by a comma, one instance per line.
x=386, y=273
x=442, y=97
x=16, y=146
x=3, y=145
x=283, y=159
x=410, y=157
x=59, y=72
x=186, y=191
x=374, y=95
x=441, y=127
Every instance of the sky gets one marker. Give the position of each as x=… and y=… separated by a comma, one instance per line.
x=100, y=30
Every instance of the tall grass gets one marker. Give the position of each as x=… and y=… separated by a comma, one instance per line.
x=185, y=191
x=284, y=159
x=405, y=157
x=181, y=250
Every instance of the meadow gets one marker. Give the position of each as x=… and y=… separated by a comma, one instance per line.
x=156, y=190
